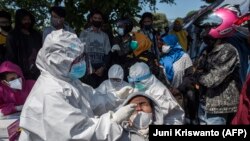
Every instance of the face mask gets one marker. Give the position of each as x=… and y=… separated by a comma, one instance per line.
x=165, y=49
x=141, y=120
x=78, y=70
x=209, y=41
x=133, y=45
x=55, y=22
x=97, y=24
x=140, y=87
x=6, y=28
x=120, y=31
x=116, y=84
x=16, y=84
x=147, y=27
x=26, y=25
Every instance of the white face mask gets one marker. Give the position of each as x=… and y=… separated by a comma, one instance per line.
x=116, y=84
x=141, y=120
x=120, y=31
x=165, y=49
x=16, y=84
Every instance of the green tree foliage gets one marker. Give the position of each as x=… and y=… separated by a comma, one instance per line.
x=77, y=9
x=160, y=21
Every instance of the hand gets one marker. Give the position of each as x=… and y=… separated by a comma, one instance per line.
x=19, y=108
x=197, y=87
x=124, y=92
x=124, y=113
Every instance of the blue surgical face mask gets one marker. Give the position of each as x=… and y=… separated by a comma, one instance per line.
x=78, y=70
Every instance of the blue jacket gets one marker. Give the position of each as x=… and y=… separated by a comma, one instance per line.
x=172, y=56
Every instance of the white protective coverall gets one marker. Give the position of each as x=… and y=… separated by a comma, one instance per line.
x=172, y=111
x=60, y=108
x=109, y=88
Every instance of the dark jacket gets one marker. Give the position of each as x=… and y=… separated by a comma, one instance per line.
x=219, y=79
x=22, y=48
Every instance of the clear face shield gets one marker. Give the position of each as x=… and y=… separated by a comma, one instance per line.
x=137, y=82
x=80, y=66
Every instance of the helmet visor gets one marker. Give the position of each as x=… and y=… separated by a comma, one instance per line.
x=208, y=19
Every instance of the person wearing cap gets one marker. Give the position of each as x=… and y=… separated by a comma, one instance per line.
x=59, y=106
x=143, y=80
x=57, y=21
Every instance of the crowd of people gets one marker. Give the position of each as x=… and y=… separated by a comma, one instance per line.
x=97, y=86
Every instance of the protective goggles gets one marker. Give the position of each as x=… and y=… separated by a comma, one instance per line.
x=80, y=58
x=134, y=80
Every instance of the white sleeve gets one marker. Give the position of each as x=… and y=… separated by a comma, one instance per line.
x=102, y=88
x=102, y=103
x=63, y=121
x=172, y=111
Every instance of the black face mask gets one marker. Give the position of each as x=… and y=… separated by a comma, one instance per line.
x=147, y=27
x=97, y=24
x=210, y=42
x=26, y=25
x=6, y=28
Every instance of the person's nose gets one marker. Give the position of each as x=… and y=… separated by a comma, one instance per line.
x=138, y=107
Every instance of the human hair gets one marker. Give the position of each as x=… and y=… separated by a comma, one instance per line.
x=59, y=10
x=93, y=12
x=145, y=15
x=3, y=75
x=5, y=14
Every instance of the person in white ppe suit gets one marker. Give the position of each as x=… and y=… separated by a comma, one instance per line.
x=59, y=107
x=148, y=112
x=143, y=80
x=112, y=87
